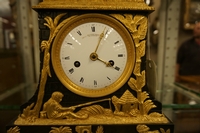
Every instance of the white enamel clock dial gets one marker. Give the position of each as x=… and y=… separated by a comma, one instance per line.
x=94, y=55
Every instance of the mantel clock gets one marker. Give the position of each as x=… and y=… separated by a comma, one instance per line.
x=93, y=58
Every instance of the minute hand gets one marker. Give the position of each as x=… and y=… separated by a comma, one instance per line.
x=100, y=38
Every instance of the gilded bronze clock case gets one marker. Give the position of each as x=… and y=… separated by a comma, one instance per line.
x=53, y=83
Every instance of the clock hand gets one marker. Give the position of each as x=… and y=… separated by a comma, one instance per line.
x=94, y=57
x=100, y=38
x=108, y=64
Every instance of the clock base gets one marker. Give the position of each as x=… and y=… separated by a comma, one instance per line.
x=89, y=128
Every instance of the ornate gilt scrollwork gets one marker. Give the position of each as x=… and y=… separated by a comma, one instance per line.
x=61, y=129
x=88, y=129
x=79, y=129
x=146, y=129
x=84, y=129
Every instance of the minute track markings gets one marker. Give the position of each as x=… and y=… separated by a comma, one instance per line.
x=108, y=78
x=116, y=42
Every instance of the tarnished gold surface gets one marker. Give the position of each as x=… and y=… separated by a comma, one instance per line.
x=95, y=4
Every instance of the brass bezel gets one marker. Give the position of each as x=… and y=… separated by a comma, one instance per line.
x=101, y=18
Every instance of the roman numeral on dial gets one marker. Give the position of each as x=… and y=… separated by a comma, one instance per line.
x=69, y=43
x=117, y=68
x=95, y=82
x=82, y=80
x=79, y=32
x=71, y=70
x=93, y=28
x=66, y=58
x=120, y=55
x=108, y=78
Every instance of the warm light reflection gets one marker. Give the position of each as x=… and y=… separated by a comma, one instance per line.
x=155, y=32
x=107, y=34
x=187, y=24
x=73, y=38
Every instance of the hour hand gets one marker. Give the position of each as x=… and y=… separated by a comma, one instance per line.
x=108, y=64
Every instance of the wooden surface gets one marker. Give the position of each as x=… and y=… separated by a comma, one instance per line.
x=191, y=82
x=193, y=79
